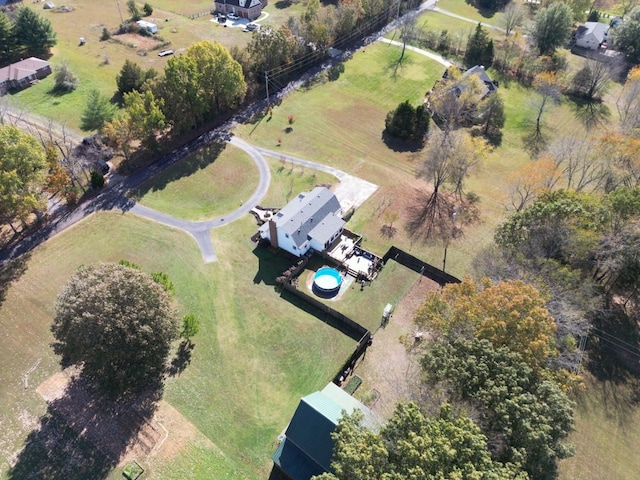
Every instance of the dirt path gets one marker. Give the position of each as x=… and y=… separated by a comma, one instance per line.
x=388, y=368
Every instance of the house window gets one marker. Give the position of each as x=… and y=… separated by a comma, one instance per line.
x=286, y=235
x=295, y=248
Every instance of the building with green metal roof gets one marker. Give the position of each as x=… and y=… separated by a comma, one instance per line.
x=307, y=445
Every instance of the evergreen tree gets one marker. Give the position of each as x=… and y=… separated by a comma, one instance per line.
x=7, y=37
x=408, y=122
x=130, y=78
x=33, y=32
x=479, y=48
x=97, y=111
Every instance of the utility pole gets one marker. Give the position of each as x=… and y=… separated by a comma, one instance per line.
x=120, y=11
x=266, y=83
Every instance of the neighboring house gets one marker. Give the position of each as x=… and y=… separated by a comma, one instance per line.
x=23, y=73
x=489, y=85
x=312, y=220
x=249, y=9
x=591, y=35
x=307, y=445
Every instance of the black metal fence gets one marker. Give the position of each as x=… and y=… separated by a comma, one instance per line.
x=420, y=266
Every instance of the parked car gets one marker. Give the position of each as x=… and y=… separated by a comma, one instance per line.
x=232, y=16
x=251, y=27
x=164, y=53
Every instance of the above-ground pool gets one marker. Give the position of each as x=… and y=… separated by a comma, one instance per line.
x=326, y=282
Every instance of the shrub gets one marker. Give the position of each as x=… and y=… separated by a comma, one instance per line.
x=65, y=80
x=106, y=34
x=147, y=9
x=353, y=384
x=97, y=180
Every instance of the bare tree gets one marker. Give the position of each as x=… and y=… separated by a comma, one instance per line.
x=548, y=94
x=628, y=102
x=513, y=16
x=448, y=160
x=408, y=29
x=579, y=162
x=529, y=181
x=593, y=80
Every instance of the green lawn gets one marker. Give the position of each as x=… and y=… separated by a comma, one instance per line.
x=365, y=306
x=287, y=180
x=208, y=183
x=606, y=433
x=255, y=355
x=465, y=9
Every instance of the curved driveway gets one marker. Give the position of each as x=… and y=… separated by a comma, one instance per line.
x=201, y=230
x=351, y=192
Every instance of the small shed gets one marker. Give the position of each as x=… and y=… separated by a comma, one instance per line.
x=148, y=26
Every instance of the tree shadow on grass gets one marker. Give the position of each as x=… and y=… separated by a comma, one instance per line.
x=182, y=358
x=84, y=434
x=613, y=347
x=400, y=145
x=12, y=272
x=198, y=160
x=592, y=114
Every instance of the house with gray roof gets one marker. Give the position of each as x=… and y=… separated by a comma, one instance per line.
x=306, y=446
x=591, y=35
x=489, y=86
x=312, y=220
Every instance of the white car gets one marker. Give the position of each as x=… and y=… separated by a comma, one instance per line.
x=232, y=16
x=251, y=27
x=164, y=53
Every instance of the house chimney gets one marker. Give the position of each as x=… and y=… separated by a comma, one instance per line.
x=273, y=234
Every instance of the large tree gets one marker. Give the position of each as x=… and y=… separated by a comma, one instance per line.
x=449, y=158
x=626, y=36
x=415, y=446
x=130, y=78
x=118, y=323
x=200, y=84
x=34, y=32
x=513, y=16
x=547, y=86
x=22, y=174
x=408, y=122
x=552, y=27
x=526, y=417
x=511, y=313
x=592, y=81
x=628, y=102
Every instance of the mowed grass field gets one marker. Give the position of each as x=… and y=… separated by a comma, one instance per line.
x=227, y=177
x=255, y=355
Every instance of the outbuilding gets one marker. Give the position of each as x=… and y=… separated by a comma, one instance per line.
x=148, y=26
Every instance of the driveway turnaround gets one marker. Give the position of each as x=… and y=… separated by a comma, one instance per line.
x=351, y=192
